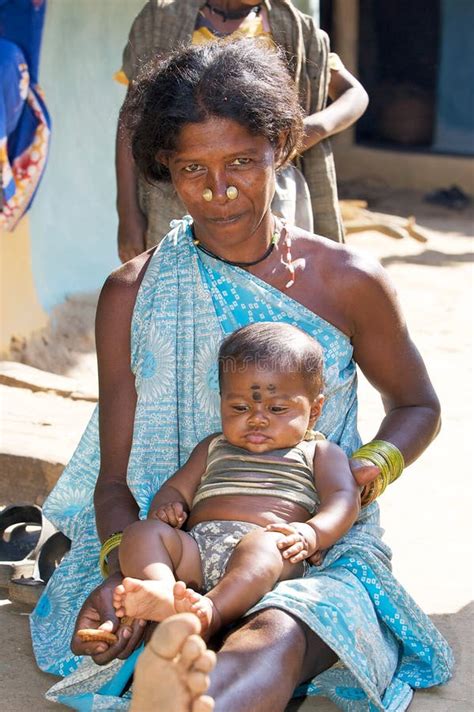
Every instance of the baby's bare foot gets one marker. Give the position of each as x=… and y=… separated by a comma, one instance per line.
x=150, y=600
x=186, y=600
x=172, y=673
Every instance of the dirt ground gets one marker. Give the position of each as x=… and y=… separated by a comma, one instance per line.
x=427, y=514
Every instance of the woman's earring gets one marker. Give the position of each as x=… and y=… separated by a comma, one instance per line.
x=207, y=195
x=232, y=192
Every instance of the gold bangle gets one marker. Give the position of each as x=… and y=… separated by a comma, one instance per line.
x=385, y=456
x=108, y=546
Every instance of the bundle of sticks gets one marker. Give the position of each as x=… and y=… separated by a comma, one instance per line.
x=357, y=218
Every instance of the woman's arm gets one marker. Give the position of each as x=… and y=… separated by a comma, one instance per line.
x=391, y=362
x=132, y=222
x=349, y=101
x=115, y=507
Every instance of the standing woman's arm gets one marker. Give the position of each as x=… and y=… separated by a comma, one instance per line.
x=132, y=223
x=349, y=101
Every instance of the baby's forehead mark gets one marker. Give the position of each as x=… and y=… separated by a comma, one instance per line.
x=256, y=393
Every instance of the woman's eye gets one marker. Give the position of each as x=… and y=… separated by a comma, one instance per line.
x=192, y=168
x=240, y=162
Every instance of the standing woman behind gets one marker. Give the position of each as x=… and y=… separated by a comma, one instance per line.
x=145, y=211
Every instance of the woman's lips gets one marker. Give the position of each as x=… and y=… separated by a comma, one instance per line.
x=225, y=220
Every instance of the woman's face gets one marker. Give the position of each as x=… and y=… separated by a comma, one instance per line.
x=214, y=155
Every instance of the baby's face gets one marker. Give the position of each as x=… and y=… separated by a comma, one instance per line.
x=266, y=410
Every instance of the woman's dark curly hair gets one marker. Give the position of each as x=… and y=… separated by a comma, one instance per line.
x=240, y=80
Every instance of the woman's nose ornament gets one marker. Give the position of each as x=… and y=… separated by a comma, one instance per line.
x=232, y=192
x=207, y=195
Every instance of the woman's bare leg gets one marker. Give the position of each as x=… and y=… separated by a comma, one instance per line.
x=244, y=677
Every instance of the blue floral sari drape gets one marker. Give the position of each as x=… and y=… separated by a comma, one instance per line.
x=24, y=120
x=185, y=305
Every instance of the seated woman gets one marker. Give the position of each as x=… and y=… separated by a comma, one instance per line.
x=218, y=121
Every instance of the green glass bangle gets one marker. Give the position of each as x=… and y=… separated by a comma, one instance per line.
x=109, y=545
x=388, y=458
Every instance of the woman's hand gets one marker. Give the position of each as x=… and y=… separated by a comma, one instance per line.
x=172, y=513
x=99, y=613
x=299, y=540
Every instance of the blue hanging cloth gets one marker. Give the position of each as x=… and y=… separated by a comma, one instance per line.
x=25, y=125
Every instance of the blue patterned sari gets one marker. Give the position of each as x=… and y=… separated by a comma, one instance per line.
x=185, y=305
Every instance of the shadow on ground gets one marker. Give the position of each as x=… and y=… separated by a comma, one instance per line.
x=430, y=258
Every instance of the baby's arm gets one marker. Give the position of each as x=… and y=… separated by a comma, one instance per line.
x=173, y=500
x=339, y=507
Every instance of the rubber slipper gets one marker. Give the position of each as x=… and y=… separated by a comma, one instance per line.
x=21, y=529
x=28, y=589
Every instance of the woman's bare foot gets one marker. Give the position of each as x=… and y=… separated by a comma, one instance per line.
x=172, y=673
x=186, y=600
x=150, y=600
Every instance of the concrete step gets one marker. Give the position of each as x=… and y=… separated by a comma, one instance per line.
x=39, y=431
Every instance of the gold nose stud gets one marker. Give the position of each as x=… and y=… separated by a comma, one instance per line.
x=207, y=195
x=232, y=192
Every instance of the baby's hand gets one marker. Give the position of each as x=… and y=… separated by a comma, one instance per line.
x=299, y=540
x=172, y=513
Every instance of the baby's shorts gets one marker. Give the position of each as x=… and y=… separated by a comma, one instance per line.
x=216, y=540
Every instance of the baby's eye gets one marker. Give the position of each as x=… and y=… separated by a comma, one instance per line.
x=240, y=408
x=278, y=409
x=192, y=168
x=240, y=162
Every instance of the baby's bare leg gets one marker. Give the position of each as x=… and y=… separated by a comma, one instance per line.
x=255, y=566
x=151, y=553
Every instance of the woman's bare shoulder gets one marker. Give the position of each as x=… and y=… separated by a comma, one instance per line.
x=339, y=259
x=354, y=283
x=120, y=289
x=127, y=278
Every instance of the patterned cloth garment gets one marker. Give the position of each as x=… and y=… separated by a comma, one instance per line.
x=186, y=303
x=25, y=125
x=216, y=541
x=286, y=473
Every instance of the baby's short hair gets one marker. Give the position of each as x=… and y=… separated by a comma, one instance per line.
x=276, y=346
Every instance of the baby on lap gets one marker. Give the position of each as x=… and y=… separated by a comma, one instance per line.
x=253, y=504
